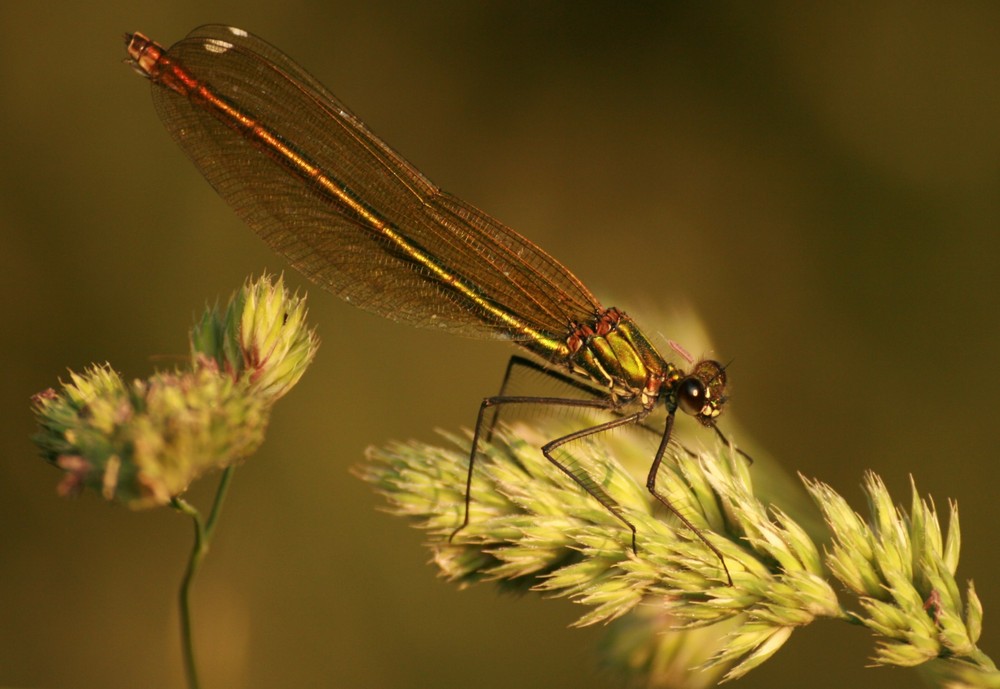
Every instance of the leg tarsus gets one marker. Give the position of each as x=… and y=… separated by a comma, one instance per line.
x=728, y=443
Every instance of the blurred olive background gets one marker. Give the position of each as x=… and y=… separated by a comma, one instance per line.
x=821, y=185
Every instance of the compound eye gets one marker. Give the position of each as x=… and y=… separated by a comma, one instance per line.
x=691, y=396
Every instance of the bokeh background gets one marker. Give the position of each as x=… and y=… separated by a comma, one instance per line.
x=820, y=184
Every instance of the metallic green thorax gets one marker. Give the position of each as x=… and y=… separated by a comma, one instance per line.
x=615, y=355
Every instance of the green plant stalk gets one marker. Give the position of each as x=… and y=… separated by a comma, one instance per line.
x=143, y=442
x=203, y=532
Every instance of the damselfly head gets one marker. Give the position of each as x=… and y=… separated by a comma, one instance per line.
x=702, y=393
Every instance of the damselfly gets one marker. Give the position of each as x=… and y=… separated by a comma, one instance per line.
x=357, y=219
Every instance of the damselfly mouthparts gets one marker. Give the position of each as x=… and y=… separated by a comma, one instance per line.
x=357, y=219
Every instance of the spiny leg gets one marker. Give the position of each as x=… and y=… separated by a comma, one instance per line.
x=497, y=401
x=728, y=443
x=564, y=378
x=584, y=480
x=651, y=486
